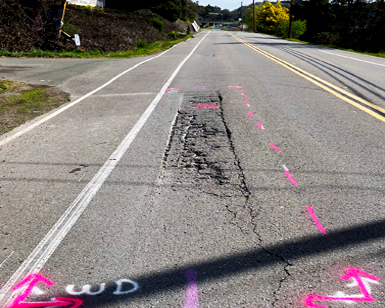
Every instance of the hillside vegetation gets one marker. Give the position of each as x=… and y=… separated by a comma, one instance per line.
x=112, y=31
x=29, y=27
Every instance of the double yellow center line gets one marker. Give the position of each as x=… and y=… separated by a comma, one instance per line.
x=348, y=97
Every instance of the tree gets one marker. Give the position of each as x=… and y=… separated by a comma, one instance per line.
x=248, y=16
x=271, y=17
x=169, y=9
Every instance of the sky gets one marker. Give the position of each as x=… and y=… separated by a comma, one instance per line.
x=225, y=4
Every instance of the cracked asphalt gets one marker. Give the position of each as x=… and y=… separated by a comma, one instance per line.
x=209, y=204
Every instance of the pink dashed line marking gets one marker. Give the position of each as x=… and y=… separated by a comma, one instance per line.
x=206, y=106
x=242, y=90
x=289, y=176
x=260, y=125
x=318, y=224
x=244, y=94
x=275, y=147
x=192, y=290
x=246, y=102
x=251, y=114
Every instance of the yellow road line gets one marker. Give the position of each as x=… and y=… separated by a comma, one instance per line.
x=327, y=86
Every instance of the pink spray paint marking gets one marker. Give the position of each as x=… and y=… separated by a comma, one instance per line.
x=318, y=224
x=242, y=90
x=260, y=126
x=192, y=290
x=30, y=282
x=244, y=95
x=275, y=147
x=353, y=273
x=246, y=102
x=206, y=106
x=251, y=114
x=170, y=89
x=289, y=176
x=219, y=55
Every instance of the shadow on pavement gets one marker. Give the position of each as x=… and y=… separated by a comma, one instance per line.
x=249, y=260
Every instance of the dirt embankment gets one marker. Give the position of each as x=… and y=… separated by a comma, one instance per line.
x=21, y=102
x=111, y=31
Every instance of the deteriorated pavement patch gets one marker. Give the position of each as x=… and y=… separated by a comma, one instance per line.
x=200, y=155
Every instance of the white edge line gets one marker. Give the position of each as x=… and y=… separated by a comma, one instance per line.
x=336, y=54
x=60, y=110
x=51, y=241
x=2, y=263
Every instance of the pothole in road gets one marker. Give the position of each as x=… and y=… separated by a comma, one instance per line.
x=200, y=154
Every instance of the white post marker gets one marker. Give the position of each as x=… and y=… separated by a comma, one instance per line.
x=77, y=40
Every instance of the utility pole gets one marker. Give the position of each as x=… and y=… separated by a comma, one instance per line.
x=241, y=16
x=254, y=25
x=291, y=19
x=62, y=17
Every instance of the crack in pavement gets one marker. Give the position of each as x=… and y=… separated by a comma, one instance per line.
x=201, y=151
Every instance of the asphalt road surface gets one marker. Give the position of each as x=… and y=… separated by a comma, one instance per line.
x=233, y=170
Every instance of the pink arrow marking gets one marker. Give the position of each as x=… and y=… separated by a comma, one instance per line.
x=206, y=106
x=59, y=302
x=251, y=114
x=351, y=273
x=31, y=281
x=355, y=273
x=318, y=224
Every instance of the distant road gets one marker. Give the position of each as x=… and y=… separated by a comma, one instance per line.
x=234, y=170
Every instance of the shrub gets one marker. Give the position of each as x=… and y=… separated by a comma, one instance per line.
x=298, y=28
x=327, y=38
x=157, y=23
x=69, y=29
x=141, y=44
x=23, y=27
x=173, y=35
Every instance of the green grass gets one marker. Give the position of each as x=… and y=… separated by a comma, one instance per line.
x=21, y=102
x=155, y=47
x=5, y=86
x=25, y=102
x=30, y=100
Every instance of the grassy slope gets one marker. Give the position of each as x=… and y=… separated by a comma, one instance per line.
x=157, y=46
x=21, y=102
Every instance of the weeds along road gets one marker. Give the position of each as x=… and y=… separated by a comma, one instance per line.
x=234, y=170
